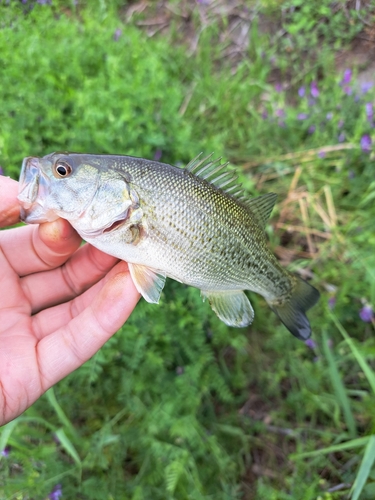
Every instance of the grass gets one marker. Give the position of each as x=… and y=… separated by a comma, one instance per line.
x=177, y=405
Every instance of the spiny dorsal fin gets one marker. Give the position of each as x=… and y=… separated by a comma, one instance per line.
x=261, y=206
x=215, y=173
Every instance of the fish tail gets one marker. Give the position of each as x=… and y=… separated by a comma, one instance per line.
x=292, y=311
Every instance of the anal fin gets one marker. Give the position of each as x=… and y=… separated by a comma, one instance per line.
x=231, y=306
x=148, y=282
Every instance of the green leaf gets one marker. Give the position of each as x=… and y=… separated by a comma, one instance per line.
x=68, y=447
x=357, y=354
x=5, y=434
x=50, y=394
x=339, y=388
x=347, y=445
x=364, y=469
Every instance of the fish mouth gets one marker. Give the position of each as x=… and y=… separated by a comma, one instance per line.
x=33, y=189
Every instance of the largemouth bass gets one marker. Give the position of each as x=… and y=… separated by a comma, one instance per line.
x=192, y=224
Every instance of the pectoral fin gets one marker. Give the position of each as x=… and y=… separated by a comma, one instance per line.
x=232, y=307
x=148, y=282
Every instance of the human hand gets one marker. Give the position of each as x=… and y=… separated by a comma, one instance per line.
x=59, y=303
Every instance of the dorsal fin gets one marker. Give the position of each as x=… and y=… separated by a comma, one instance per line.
x=215, y=173
x=261, y=206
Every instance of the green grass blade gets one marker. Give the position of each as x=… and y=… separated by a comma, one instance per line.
x=60, y=413
x=353, y=443
x=68, y=447
x=364, y=469
x=5, y=434
x=360, y=359
x=339, y=388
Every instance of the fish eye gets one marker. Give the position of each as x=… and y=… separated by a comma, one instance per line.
x=62, y=169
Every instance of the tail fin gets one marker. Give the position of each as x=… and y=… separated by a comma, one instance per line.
x=292, y=311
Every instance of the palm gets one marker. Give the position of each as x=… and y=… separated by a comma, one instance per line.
x=58, y=305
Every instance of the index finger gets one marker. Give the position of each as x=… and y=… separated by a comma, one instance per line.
x=9, y=206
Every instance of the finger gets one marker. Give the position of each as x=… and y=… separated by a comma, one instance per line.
x=84, y=268
x=69, y=347
x=11, y=294
x=59, y=237
x=35, y=248
x=48, y=320
x=9, y=206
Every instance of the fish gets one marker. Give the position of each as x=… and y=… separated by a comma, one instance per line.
x=195, y=225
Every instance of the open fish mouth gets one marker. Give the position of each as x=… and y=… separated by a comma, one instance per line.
x=29, y=181
x=34, y=186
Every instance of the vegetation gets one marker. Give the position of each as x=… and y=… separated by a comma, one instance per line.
x=177, y=405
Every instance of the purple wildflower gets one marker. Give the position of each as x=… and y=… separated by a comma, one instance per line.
x=280, y=113
x=340, y=124
x=329, y=116
x=278, y=87
x=117, y=34
x=369, y=111
x=366, y=86
x=321, y=154
x=180, y=370
x=351, y=174
x=345, y=82
x=366, y=314
x=203, y=2
x=302, y=116
x=1, y=171
x=341, y=137
x=301, y=91
x=311, y=129
x=366, y=143
x=314, y=89
x=347, y=77
x=264, y=114
x=331, y=302
x=5, y=452
x=310, y=343
x=157, y=154
x=56, y=493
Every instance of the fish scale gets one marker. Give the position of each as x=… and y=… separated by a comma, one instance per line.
x=213, y=246
x=195, y=225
